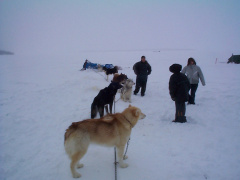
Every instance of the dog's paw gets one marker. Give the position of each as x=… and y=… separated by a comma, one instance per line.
x=125, y=157
x=76, y=175
x=79, y=166
x=123, y=165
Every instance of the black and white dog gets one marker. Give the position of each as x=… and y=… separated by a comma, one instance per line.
x=110, y=70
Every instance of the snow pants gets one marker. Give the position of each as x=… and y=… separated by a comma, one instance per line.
x=180, y=112
x=141, y=82
x=193, y=89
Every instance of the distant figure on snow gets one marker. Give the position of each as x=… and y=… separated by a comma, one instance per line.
x=193, y=73
x=142, y=69
x=178, y=90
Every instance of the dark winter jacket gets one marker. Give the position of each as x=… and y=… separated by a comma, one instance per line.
x=178, y=84
x=142, y=68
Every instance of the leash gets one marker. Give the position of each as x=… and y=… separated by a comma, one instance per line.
x=115, y=154
x=115, y=158
x=115, y=163
x=120, y=96
x=126, y=149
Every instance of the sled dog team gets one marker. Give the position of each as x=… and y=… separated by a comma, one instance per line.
x=114, y=130
x=111, y=130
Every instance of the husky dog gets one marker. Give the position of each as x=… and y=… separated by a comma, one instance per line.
x=104, y=97
x=120, y=78
x=111, y=130
x=110, y=71
x=126, y=91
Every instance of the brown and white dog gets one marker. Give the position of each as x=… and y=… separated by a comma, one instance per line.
x=111, y=130
x=120, y=78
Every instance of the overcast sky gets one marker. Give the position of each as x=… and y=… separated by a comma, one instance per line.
x=104, y=25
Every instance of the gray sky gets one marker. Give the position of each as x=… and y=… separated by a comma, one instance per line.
x=93, y=25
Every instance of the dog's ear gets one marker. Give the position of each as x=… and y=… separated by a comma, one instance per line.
x=129, y=105
x=137, y=112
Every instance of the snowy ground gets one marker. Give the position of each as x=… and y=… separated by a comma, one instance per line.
x=41, y=96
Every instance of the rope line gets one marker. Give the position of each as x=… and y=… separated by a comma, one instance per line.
x=115, y=154
x=126, y=149
x=115, y=163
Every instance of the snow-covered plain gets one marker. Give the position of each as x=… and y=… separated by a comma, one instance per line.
x=41, y=96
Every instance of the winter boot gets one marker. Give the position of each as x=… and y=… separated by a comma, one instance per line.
x=180, y=119
x=190, y=100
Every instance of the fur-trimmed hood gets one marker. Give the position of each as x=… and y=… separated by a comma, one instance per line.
x=175, y=68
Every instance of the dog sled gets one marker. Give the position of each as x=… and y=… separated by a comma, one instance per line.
x=100, y=67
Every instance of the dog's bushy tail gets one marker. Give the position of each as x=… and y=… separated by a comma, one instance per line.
x=70, y=130
x=70, y=143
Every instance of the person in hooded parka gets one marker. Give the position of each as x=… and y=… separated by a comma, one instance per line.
x=178, y=89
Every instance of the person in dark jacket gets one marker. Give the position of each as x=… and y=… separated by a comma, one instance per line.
x=142, y=69
x=179, y=86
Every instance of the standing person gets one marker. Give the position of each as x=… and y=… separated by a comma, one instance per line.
x=193, y=73
x=178, y=90
x=142, y=69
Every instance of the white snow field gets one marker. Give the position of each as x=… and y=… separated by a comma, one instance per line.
x=41, y=96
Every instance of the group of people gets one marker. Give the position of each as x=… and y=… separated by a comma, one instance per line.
x=181, y=82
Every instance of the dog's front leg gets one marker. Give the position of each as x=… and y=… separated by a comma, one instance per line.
x=101, y=111
x=106, y=108
x=110, y=107
x=124, y=97
x=120, y=150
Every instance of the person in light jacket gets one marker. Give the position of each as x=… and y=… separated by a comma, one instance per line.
x=194, y=73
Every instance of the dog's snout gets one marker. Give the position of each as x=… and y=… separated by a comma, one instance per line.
x=143, y=116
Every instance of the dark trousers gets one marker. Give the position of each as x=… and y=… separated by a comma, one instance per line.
x=141, y=83
x=180, y=112
x=193, y=90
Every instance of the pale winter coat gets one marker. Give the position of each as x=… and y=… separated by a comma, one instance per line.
x=193, y=73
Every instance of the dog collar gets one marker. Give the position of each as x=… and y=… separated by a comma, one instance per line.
x=128, y=122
